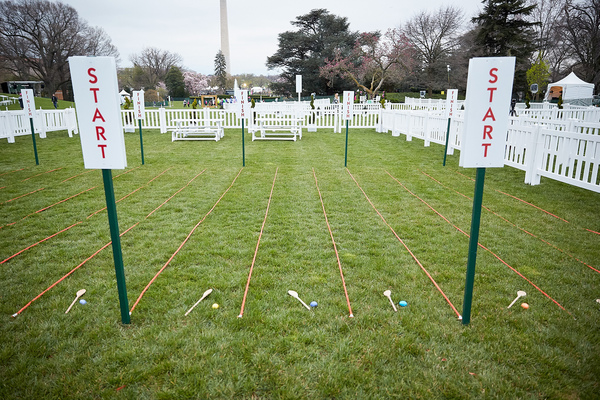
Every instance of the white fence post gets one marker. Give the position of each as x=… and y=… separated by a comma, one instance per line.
x=533, y=158
x=162, y=117
x=426, y=133
x=41, y=123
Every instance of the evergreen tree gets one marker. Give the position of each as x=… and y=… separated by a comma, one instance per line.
x=175, y=82
x=320, y=36
x=503, y=30
x=221, y=69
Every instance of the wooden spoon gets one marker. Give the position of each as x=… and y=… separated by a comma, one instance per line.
x=80, y=293
x=388, y=294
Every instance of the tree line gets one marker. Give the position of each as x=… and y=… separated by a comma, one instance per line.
x=430, y=51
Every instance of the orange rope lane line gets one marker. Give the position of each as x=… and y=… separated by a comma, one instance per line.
x=182, y=244
x=516, y=226
x=482, y=246
x=257, y=244
x=334, y=246
x=408, y=249
x=102, y=248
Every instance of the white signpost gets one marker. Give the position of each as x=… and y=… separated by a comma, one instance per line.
x=451, y=99
x=98, y=112
x=348, y=114
x=102, y=141
x=244, y=111
x=139, y=109
x=29, y=108
x=348, y=105
x=489, y=89
x=299, y=85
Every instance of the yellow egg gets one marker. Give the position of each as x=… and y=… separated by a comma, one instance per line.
x=215, y=305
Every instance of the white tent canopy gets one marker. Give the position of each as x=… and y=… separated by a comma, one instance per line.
x=571, y=87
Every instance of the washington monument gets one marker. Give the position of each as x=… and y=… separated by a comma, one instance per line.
x=225, y=36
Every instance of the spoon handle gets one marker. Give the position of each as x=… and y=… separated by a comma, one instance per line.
x=513, y=302
x=303, y=303
x=69, y=309
x=393, y=305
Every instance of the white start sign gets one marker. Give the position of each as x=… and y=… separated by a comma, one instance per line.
x=138, y=104
x=451, y=99
x=487, y=105
x=348, y=105
x=244, y=108
x=28, y=102
x=98, y=112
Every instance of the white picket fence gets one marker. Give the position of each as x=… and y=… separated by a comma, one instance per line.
x=556, y=144
x=562, y=144
x=366, y=116
x=16, y=123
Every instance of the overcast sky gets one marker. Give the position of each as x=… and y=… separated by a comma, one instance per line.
x=191, y=28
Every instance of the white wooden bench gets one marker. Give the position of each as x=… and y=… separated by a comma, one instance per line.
x=198, y=129
x=284, y=127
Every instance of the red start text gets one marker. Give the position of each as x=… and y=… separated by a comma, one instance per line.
x=489, y=115
x=97, y=119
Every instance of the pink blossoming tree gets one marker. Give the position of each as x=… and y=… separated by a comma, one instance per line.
x=195, y=82
x=374, y=59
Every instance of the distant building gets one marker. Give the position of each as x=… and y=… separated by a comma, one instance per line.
x=14, y=87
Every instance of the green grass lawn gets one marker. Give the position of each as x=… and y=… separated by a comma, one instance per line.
x=279, y=349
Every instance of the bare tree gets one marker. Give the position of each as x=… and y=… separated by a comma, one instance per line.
x=581, y=29
x=434, y=37
x=155, y=64
x=37, y=37
x=550, y=38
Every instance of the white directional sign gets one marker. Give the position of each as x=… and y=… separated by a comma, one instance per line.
x=451, y=99
x=28, y=102
x=139, y=107
x=348, y=105
x=98, y=112
x=487, y=105
x=244, y=106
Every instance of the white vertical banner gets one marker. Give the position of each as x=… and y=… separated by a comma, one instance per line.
x=348, y=105
x=298, y=84
x=244, y=106
x=98, y=112
x=451, y=99
x=487, y=105
x=28, y=102
x=138, y=104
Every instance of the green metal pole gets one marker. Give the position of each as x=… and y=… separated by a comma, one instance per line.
x=447, y=140
x=243, y=146
x=113, y=222
x=346, y=155
x=141, y=141
x=473, y=244
x=37, y=160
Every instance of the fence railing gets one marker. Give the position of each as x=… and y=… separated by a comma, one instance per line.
x=564, y=149
x=16, y=123
x=326, y=116
x=561, y=144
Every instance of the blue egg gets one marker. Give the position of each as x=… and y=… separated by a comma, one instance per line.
x=82, y=301
x=313, y=304
x=403, y=303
